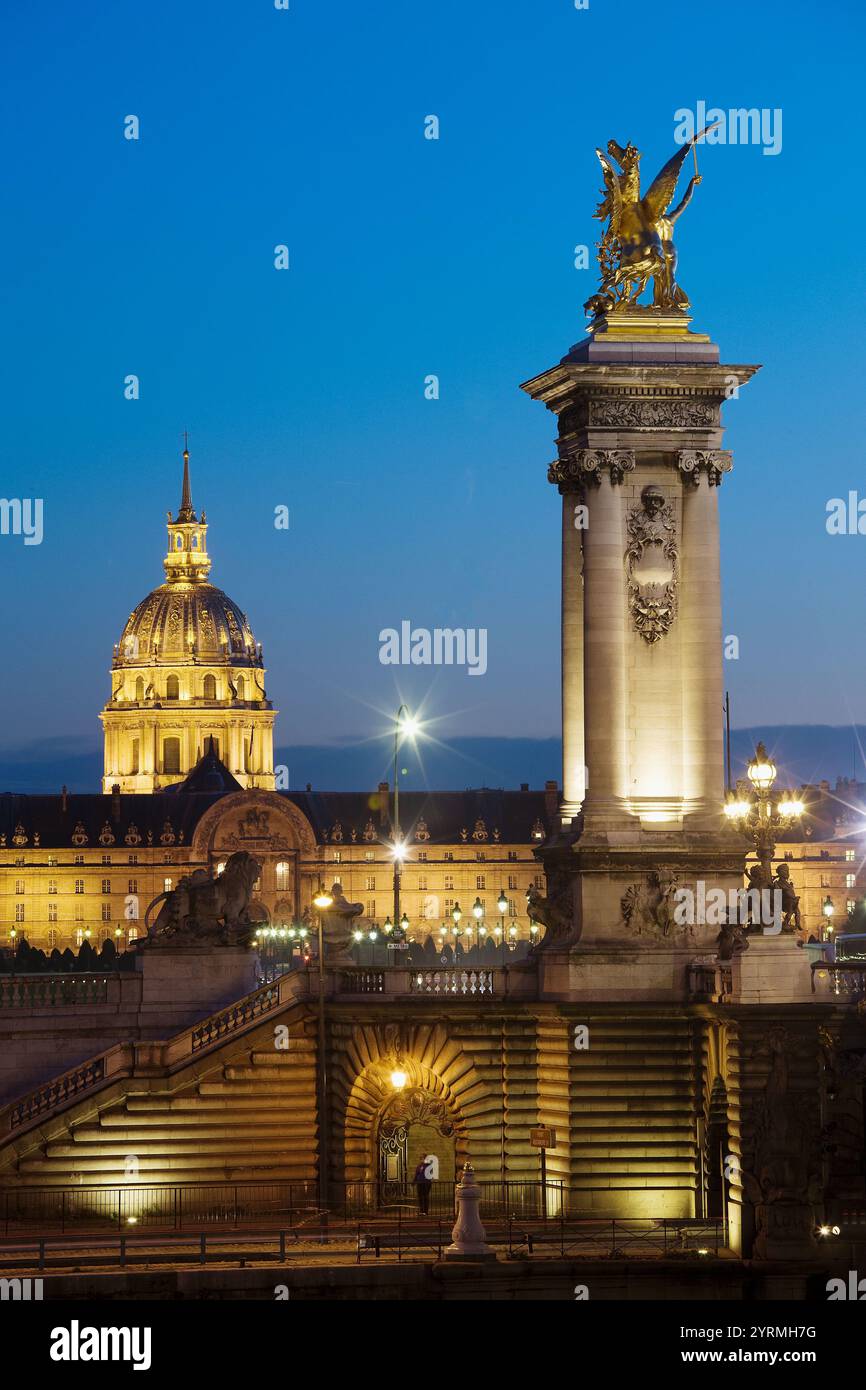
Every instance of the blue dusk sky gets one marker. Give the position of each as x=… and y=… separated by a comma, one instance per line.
x=408, y=257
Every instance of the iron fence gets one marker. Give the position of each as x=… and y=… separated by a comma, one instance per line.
x=542, y=1212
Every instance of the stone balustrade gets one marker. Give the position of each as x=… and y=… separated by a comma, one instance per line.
x=60, y=991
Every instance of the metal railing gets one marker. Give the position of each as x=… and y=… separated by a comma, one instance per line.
x=183, y=1206
x=156, y=1206
x=322, y=1238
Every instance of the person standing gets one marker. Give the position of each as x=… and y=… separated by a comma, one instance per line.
x=423, y=1184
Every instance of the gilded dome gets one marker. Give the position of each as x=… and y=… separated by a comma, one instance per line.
x=182, y=620
x=186, y=619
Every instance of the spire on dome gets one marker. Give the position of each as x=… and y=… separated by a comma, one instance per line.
x=187, y=560
x=186, y=512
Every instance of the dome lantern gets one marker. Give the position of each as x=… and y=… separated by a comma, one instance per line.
x=187, y=560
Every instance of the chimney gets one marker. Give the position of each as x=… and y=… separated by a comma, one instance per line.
x=383, y=786
x=551, y=800
x=115, y=802
x=63, y=795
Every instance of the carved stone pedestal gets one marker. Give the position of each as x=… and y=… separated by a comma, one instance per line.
x=469, y=1239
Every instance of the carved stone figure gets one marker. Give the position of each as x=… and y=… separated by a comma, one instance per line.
x=790, y=900
x=648, y=906
x=206, y=909
x=555, y=912
x=731, y=941
x=337, y=921
x=651, y=561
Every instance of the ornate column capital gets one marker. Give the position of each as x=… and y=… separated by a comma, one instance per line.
x=576, y=468
x=714, y=462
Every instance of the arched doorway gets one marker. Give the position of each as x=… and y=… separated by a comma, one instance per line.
x=413, y=1125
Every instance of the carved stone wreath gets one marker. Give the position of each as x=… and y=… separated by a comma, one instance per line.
x=652, y=566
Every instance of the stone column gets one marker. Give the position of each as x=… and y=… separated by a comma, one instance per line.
x=701, y=634
x=605, y=648
x=573, y=755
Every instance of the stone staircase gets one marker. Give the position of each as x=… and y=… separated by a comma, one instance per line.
x=245, y=1112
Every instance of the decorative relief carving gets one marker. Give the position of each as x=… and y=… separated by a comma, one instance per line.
x=652, y=565
x=714, y=462
x=254, y=827
x=659, y=415
x=648, y=908
x=581, y=466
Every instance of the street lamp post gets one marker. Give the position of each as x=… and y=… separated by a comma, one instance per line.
x=760, y=819
x=322, y=901
x=403, y=724
x=502, y=904
x=456, y=916
x=828, y=909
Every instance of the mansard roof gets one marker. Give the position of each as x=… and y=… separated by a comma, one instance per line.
x=480, y=819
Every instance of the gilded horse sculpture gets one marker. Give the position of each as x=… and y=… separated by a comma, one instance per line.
x=637, y=245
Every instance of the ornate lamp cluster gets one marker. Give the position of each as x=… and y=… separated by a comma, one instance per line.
x=293, y=933
x=499, y=933
x=759, y=818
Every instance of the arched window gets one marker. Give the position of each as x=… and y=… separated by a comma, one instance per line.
x=178, y=545
x=195, y=542
x=210, y=687
x=171, y=755
x=282, y=876
x=139, y=689
x=240, y=686
x=172, y=688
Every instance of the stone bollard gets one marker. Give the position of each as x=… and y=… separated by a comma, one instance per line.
x=469, y=1240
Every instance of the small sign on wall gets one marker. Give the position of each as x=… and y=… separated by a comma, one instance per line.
x=543, y=1137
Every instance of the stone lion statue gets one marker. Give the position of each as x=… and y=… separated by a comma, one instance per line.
x=205, y=907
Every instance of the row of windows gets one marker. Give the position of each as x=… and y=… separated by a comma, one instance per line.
x=132, y=886
x=130, y=913
x=421, y=856
x=172, y=689
x=282, y=882
x=282, y=869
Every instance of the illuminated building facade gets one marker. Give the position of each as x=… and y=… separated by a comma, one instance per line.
x=187, y=670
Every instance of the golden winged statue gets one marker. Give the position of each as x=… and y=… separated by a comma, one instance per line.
x=638, y=242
